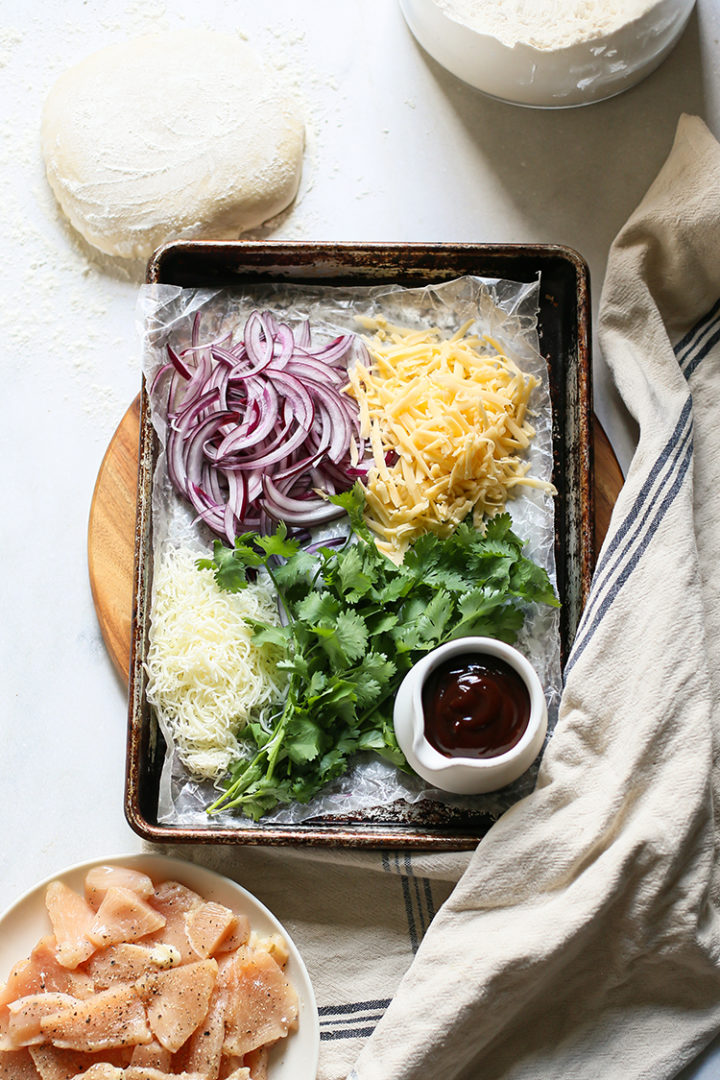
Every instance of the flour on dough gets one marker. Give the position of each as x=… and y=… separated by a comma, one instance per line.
x=183, y=134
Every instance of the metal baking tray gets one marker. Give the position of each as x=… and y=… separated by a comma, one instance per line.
x=564, y=329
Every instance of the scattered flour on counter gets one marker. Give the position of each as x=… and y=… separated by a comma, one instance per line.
x=103, y=401
x=9, y=39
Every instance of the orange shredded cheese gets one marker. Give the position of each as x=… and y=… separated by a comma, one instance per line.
x=452, y=416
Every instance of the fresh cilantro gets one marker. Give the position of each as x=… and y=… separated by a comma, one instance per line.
x=356, y=623
x=230, y=564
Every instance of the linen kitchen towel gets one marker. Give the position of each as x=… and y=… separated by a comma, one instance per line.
x=583, y=941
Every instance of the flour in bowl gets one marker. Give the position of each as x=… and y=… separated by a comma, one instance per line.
x=546, y=24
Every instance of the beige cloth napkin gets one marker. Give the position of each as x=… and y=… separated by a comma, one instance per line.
x=582, y=939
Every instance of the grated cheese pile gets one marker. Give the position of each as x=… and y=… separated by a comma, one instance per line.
x=447, y=423
x=206, y=677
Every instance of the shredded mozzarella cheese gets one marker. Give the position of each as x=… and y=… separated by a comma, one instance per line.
x=447, y=422
x=206, y=677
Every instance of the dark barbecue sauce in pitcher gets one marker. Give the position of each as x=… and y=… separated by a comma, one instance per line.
x=475, y=706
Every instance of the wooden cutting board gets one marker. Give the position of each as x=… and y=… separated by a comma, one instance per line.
x=111, y=528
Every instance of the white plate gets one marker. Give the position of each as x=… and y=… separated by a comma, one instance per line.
x=23, y=924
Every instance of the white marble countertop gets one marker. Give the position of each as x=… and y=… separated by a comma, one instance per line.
x=398, y=150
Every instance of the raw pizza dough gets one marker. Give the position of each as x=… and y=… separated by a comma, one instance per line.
x=183, y=134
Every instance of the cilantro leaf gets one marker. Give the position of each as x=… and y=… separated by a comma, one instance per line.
x=353, y=503
x=278, y=543
x=318, y=607
x=354, y=581
x=230, y=564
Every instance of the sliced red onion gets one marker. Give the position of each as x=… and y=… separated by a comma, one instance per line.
x=297, y=511
x=258, y=430
x=327, y=542
x=177, y=363
x=195, y=337
x=303, y=335
x=284, y=345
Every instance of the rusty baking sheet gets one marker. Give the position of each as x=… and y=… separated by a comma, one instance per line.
x=564, y=330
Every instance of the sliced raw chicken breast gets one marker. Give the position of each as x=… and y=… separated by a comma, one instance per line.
x=25, y=1016
x=177, y=1000
x=123, y=916
x=126, y=962
x=152, y=1056
x=53, y=1063
x=17, y=1065
x=23, y=979
x=71, y=919
x=157, y=1074
x=261, y=1005
x=114, y=1017
x=144, y=983
x=203, y=1051
x=257, y=1062
x=239, y=935
x=229, y=1065
x=174, y=902
x=40, y=972
x=208, y=926
x=101, y=1071
x=100, y=878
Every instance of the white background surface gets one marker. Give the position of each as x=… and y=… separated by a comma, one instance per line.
x=398, y=150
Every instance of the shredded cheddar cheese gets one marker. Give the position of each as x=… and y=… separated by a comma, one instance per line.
x=447, y=423
x=206, y=677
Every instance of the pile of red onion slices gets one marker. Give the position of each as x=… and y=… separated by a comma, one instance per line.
x=259, y=429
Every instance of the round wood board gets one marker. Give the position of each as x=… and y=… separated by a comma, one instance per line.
x=111, y=528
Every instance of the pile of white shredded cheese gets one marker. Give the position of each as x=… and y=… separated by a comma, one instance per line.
x=206, y=677
x=447, y=421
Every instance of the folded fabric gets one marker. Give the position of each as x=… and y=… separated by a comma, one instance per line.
x=583, y=940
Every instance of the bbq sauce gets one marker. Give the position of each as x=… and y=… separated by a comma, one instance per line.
x=475, y=706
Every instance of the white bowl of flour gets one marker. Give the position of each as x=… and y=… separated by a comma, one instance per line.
x=548, y=53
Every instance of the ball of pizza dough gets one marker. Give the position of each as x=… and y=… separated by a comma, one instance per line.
x=175, y=135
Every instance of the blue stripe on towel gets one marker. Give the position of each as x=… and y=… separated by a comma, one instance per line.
x=708, y=345
x=417, y=895
x=416, y=892
x=353, y=1020
x=618, y=581
x=624, y=550
x=691, y=339
x=354, y=1007
x=409, y=911
x=347, y=1033
x=630, y=533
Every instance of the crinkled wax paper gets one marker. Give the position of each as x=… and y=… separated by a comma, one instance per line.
x=505, y=310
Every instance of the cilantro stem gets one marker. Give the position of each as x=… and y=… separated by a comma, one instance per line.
x=275, y=743
x=231, y=796
x=278, y=590
x=255, y=771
